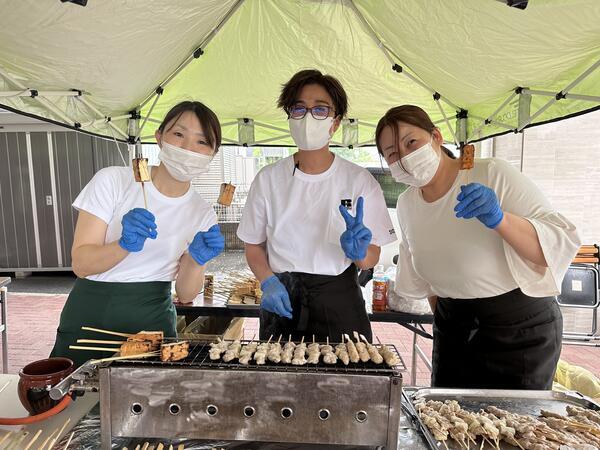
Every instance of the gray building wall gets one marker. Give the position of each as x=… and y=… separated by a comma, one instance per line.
x=42, y=173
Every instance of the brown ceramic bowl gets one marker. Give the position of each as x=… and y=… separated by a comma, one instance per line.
x=35, y=378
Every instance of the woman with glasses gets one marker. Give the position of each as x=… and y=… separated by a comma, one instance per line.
x=311, y=220
x=126, y=256
x=487, y=249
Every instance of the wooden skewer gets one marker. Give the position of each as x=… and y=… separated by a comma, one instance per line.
x=5, y=385
x=171, y=447
x=145, y=199
x=60, y=431
x=117, y=358
x=365, y=340
x=115, y=333
x=20, y=438
x=327, y=340
x=69, y=441
x=181, y=447
x=302, y=340
x=146, y=445
x=160, y=447
x=96, y=349
x=137, y=447
x=355, y=334
x=33, y=439
x=5, y=437
x=279, y=340
x=99, y=341
x=290, y=338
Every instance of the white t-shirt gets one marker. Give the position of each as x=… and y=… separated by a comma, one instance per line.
x=113, y=192
x=456, y=258
x=298, y=216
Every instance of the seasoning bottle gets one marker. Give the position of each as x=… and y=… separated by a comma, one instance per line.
x=380, y=298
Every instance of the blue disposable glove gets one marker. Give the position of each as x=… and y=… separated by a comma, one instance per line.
x=477, y=200
x=275, y=297
x=356, y=239
x=206, y=245
x=138, y=225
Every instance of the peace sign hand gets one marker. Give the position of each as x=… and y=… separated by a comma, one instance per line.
x=357, y=237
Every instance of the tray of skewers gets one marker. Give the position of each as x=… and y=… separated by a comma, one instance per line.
x=236, y=289
x=504, y=419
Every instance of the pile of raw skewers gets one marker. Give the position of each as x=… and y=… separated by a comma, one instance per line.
x=579, y=429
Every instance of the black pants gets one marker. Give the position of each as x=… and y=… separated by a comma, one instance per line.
x=511, y=341
x=323, y=306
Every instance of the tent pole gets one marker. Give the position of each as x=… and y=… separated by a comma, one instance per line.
x=395, y=66
x=566, y=96
x=42, y=100
x=495, y=113
x=35, y=92
x=561, y=94
x=98, y=113
x=437, y=102
x=196, y=54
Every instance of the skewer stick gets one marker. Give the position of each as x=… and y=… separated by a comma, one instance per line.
x=327, y=339
x=145, y=199
x=181, y=447
x=270, y=337
x=355, y=334
x=33, y=439
x=99, y=341
x=313, y=338
x=146, y=445
x=5, y=386
x=279, y=340
x=171, y=447
x=290, y=338
x=117, y=358
x=61, y=430
x=302, y=341
x=160, y=447
x=69, y=441
x=115, y=333
x=5, y=437
x=19, y=440
x=365, y=340
x=96, y=349
x=137, y=447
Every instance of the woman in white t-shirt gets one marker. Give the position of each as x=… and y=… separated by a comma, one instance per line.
x=311, y=220
x=126, y=256
x=487, y=249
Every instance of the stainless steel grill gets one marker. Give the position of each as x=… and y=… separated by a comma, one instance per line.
x=197, y=398
x=198, y=358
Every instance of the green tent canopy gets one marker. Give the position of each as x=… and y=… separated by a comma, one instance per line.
x=478, y=67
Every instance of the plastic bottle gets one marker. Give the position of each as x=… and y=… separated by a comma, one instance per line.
x=380, y=298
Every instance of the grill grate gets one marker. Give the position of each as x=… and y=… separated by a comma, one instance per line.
x=199, y=358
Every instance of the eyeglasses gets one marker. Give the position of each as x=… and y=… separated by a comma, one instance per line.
x=320, y=112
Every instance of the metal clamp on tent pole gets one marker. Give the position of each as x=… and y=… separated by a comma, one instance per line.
x=495, y=113
x=436, y=98
x=565, y=91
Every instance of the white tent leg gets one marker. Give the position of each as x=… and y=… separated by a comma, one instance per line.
x=437, y=102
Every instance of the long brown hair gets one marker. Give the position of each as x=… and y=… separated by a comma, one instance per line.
x=410, y=114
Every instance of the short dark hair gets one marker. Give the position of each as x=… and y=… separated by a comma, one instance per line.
x=291, y=90
x=208, y=119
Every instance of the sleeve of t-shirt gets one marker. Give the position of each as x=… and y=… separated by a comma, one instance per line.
x=558, y=236
x=100, y=196
x=376, y=216
x=253, y=224
x=408, y=283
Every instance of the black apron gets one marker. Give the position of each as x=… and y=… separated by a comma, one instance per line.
x=323, y=306
x=511, y=341
x=122, y=307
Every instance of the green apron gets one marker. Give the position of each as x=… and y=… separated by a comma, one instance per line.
x=122, y=307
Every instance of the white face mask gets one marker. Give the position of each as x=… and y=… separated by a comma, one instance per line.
x=183, y=165
x=421, y=165
x=309, y=133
